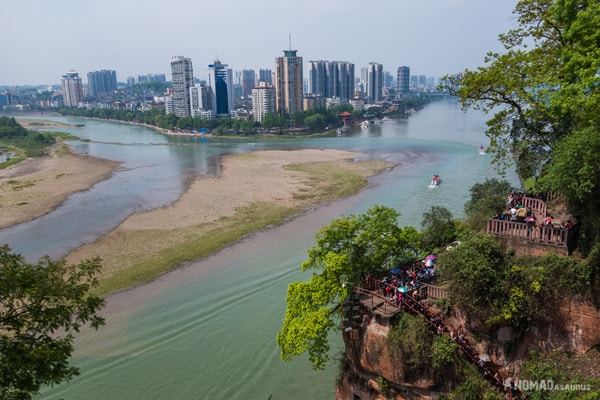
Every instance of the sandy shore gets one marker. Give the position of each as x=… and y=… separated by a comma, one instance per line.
x=255, y=190
x=35, y=123
x=36, y=186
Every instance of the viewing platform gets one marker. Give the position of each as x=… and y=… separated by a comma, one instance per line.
x=529, y=235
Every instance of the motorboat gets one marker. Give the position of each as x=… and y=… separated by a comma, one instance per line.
x=435, y=181
x=364, y=124
x=481, y=150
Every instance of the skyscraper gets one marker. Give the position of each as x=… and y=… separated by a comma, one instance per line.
x=200, y=99
x=414, y=81
x=422, y=81
x=263, y=100
x=72, y=89
x=374, y=82
x=289, y=82
x=101, y=82
x=265, y=75
x=182, y=79
x=331, y=79
x=248, y=82
x=403, y=80
x=221, y=84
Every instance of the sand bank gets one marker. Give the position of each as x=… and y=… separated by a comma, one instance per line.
x=36, y=186
x=254, y=191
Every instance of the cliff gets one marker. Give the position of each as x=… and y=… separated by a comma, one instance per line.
x=374, y=370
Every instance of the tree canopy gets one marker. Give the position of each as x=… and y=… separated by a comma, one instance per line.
x=545, y=91
x=41, y=306
x=345, y=252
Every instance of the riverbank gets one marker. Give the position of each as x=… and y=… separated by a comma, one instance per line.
x=39, y=123
x=255, y=190
x=36, y=186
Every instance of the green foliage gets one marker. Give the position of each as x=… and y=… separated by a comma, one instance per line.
x=501, y=290
x=444, y=354
x=551, y=367
x=545, y=91
x=346, y=251
x=31, y=143
x=488, y=198
x=474, y=270
x=473, y=387
x=411, y=338
x=439, y=228
x=41, y=306
x=384, y=386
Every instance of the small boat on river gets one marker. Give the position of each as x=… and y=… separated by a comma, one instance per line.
x=435, y=181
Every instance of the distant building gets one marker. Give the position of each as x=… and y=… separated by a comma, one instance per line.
x=169, y=105
x=414, y=81
x=374, y=82
x=72, y=89
x=403, y=80
x=331, y=79
x=152, y=78
x=265, y=75
x=357, y=104
x=130, y=81
x=388, y=80
x=263, y=100
x=200, y=99
x=314, y=102
x=101, y=82
x=182, y=76
x=334, y=102
x=289, y=83
x=431, y=82
x=248, y=82
x=221, y=85
x=422, y=81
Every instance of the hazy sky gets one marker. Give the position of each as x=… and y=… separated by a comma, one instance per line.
x=42, y=39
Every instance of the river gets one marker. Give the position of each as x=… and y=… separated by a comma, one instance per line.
x=207, y=330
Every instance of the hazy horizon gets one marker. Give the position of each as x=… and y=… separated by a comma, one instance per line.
x=137, y=37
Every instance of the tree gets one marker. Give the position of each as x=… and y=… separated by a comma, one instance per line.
x=545, y=85
x=439, y=228
x=41, y=306
x=475, y=271
x=346, y=251
x=488, y=198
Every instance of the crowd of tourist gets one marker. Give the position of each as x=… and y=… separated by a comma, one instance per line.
x=516, y=211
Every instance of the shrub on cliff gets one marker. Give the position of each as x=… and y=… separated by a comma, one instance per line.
x=487, y=199
x=439, y=228
x=412, y=341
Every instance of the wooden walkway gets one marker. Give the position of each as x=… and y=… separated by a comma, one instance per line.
x=374, y=301
x=539, y=234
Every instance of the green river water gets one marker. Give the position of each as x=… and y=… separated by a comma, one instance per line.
x=207, y=330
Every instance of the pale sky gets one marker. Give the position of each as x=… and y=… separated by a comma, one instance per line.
x=42, y=39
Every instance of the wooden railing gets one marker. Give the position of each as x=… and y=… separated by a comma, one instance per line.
x=435, y=292
x=539, y=234
x=537, y=206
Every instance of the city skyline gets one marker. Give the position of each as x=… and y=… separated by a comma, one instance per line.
x=349, y=36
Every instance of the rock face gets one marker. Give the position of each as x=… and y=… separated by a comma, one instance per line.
x=574, y=327
x=370, y=357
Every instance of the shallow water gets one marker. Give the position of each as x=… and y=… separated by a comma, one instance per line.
x=207, y=330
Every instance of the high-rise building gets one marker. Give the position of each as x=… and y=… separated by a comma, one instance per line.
x=200, y=99
x=220, y=79
x=72, y=89
x=289, y=82
x=263, y=100
x=422, y=81
x=374, y=82
x=330, y=79
x=101, y=82
x=431, y=82
x=248, y=82
x=414, y=81
x=403, y=80
x=265, y=75
x=182, y=76
x=388, y=80
x=130, y=81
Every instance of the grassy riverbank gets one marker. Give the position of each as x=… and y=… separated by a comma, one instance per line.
x=256, y=191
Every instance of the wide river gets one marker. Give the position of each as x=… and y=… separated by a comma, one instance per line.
x=207, y=330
